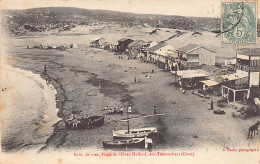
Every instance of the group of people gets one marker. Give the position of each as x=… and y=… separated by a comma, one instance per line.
x=75, y=121
x=114, y=110
x=136, y=80
x=117, y=110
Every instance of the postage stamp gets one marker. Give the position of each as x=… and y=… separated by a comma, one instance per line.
x=239, y=23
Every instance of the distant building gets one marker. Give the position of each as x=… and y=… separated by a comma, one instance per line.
x=190, y=79
x=235, y=87
x=152, y=56
x=123, y=43
x=245, y=82
x=97, y=42
x=134, y=48
x=144, y=47
x=248, y=61
x=193, y=55
x=162, y=56
x=230, y=61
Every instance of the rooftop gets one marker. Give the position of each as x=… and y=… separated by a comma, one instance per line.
x=124, y=39
x=96, y=38
x=191, y=47
x=135, y=43
x=249, y=52
x=191, y=73
x=156, y=47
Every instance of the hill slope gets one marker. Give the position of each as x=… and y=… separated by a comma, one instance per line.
x=42, y=18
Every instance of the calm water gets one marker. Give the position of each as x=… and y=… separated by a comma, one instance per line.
x=29, y=110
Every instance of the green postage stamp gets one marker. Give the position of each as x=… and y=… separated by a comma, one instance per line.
x=239, y=22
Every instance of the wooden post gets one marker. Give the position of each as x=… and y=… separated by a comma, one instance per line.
x=234, y=95
x=127, y=124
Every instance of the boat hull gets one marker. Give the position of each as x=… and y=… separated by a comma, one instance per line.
x=86, y=123
x=124, y=144
x=135, y=133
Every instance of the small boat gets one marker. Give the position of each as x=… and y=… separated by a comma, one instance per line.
x=219, y=111
x=133, y=133
x=85, y=123
x=123, y=144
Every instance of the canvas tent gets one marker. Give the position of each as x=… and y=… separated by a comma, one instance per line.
x=74, y=45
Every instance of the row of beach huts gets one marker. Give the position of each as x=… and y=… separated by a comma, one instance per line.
x=188, y=62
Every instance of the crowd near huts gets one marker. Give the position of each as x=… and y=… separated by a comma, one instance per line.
x=187, y=63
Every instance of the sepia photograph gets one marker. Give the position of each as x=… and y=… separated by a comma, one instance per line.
x=110, y=81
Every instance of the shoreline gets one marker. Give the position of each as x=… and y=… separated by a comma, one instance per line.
x=42, y=119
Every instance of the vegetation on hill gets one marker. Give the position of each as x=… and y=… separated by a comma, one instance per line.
x=64, y=18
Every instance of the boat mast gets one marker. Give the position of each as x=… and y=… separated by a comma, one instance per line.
x=127, y=123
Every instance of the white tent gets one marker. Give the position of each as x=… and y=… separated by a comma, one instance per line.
x=209, y=82
x=74, y=46
x=191, y=73
x=234, y=76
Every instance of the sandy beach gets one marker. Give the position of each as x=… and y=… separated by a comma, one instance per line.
x=88, y=79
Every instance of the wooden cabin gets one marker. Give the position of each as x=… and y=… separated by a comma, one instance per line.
x=97, y=42
x=192, y=56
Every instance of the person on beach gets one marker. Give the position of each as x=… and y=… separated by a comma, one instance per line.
x=75, y=123
x=47, y=82
x=154, y=110
x=211, y=105
x=121, y=110
x=129, y=109
x=105, y=108
x=135, y=79
x=45, y=70
x=110, y=110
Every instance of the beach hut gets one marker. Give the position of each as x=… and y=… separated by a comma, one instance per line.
x=134, y=48
x=213, y=84
x=159, y=54
x=144, y=47
x=230, y=61
x=123, y=43
x=193, y=55
x=163, y=56
x=97, y=42
x=190, y=78
x=235, y=87
x=151, y=52
x=248, y=62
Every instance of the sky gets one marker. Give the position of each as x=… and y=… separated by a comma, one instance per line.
x=198, y=8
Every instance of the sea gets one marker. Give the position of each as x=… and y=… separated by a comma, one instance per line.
x=28, y=110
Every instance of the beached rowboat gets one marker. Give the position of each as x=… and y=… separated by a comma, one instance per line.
x=123, y=144
x=133, y=133
x=85, y=123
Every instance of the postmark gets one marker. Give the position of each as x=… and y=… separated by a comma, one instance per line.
x=238, y=22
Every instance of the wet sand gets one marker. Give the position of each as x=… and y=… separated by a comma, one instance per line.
x=77, y=74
